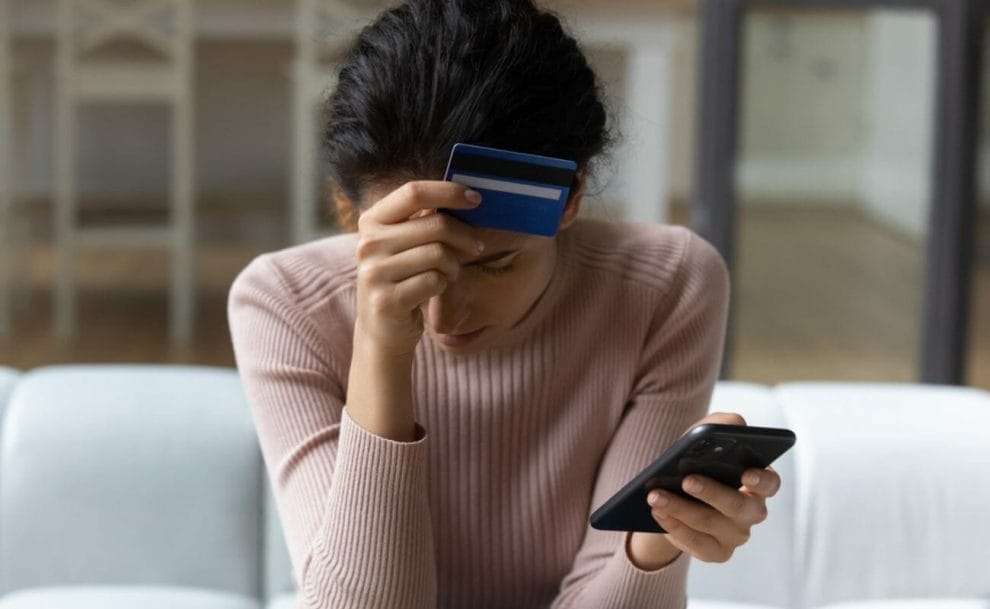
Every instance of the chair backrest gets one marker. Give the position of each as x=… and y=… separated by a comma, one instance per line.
x=766, y=557
x=130, y=475
x=324, y=28
x=892, y=490
x=161, y=27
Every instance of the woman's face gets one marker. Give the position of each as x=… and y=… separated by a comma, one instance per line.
x=495, y=289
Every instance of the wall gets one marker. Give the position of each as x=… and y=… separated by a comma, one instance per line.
x=800, y=133
x=800, y=126
x=898, y=108
x=836, y=110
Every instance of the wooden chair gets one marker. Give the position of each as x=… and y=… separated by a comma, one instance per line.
x=85, y=74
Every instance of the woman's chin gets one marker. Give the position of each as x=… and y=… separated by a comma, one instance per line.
x=462, y=343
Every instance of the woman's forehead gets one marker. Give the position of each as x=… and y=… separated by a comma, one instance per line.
x=498, y=240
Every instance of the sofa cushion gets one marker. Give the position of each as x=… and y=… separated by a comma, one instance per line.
x=917, y=603
x=891, y=491
x=703, y=604
x=281, y=601
x=130, y=475
x=8, y=378
x=766, y=557
x=124, y=597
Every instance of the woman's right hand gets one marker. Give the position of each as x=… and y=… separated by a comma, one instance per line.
x=406, y=254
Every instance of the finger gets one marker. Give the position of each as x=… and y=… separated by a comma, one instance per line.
x=703, y=518
x=725, y=418
x=431, y=256
x=738, y=506
x=388, y=240
x=696, y=543
x=764, y=482
x=409, y=294
x=412, y=197
x=722, y=418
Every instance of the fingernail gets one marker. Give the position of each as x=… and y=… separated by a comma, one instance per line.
x=480, y=245
x=694, y=485
x=472, y=195
x=752, y=479
x=657, y=499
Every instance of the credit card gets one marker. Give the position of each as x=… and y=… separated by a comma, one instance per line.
x=520, y=192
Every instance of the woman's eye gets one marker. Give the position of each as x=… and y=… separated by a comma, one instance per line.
x=495, y=270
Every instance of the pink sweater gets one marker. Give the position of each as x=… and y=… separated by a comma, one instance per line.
x=517, y=446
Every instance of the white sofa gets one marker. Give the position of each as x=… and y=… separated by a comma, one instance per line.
x=143, y=486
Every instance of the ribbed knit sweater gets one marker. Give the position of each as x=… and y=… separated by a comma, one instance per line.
x=516, y=445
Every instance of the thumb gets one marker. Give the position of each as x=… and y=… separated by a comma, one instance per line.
x=721, y=418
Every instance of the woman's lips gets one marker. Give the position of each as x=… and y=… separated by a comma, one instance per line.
x=459, y=340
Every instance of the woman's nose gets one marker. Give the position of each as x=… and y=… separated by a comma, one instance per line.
x=448, y=311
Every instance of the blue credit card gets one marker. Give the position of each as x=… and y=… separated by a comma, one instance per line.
x=520, y=192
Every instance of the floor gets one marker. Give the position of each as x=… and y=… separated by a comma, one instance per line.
x=827, y=295
x=819, y=294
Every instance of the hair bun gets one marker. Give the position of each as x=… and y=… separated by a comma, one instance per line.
x=483, y=7
x=430, y=73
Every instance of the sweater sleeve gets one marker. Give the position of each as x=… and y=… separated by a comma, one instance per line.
x=353, y=505
x=677, y=373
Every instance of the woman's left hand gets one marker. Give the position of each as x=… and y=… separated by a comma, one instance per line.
x=711, y=531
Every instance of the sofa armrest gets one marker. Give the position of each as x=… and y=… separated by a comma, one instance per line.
x=892, y=490
x=130, y=475
x=8, y=379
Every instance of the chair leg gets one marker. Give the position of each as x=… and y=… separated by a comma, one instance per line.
x=5, y=276
x=65, y=219
x=6, y=251
x=64, y=186
x=11, y=237
x=19, y=226
x=303, y=193
x=7, y=188
x=6, y=264
x=183, y=292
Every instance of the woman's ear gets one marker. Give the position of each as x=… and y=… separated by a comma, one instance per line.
x=345, y=211
x=573, y=205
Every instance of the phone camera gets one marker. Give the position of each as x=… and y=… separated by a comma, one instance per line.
x=716, y=446
x=701, y=446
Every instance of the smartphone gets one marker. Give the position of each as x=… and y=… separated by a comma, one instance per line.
x=717, y=451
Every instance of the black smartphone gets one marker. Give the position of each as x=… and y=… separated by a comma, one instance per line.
x=717, y=451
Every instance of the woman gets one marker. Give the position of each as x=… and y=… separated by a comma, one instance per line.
x=440, y=407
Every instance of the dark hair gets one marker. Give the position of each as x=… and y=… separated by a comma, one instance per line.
x=429, y=73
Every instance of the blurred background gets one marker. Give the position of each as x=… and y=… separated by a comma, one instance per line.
x=202, y=142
